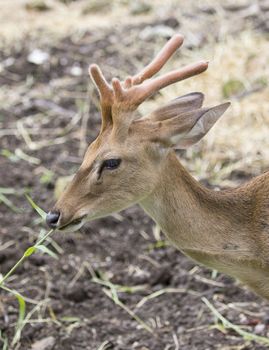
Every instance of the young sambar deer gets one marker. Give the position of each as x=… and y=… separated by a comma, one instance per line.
x=133, y=161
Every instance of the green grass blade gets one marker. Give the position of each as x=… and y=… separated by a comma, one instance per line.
x=8, y=203
x=22, y=305
x=26, y=254
x=229, y=325
x=105, y=345
x=4, y=340
x=55, y=245
x=43, y=238
x=10, y=272
x=21, y=316
x=22, y=308
x=8, y=190
x=112, y=295
x=46, y=250
x=40, y=211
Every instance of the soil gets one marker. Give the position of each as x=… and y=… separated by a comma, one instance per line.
x=76, y=311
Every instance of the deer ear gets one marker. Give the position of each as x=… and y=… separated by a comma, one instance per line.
x=187, y=129
x=179, y=105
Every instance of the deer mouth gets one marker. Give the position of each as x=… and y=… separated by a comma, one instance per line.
x=76, y=223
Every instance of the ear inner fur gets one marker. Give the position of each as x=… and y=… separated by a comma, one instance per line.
x=182, y=130
x=208, y=118
x=179, y=105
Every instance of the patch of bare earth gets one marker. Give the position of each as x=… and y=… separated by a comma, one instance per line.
x=48, y=115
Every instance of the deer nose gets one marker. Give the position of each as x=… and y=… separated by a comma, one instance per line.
x=52, y=218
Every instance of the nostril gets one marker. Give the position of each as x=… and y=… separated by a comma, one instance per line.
x=52, y=218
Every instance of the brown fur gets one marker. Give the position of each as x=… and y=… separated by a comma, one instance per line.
x=225, y=230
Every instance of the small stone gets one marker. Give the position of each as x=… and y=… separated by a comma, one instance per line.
x=9, y=62
x=44, y=344
x=38, y=57
x=76, y=71
x=259, y=328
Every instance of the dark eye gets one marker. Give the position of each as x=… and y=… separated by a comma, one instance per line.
x=111, y=164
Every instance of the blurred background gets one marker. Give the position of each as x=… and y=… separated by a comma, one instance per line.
x=48, y=116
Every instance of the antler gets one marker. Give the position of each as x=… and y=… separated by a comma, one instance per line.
x=126, y=96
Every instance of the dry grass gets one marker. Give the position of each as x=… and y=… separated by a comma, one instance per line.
x=62, y=19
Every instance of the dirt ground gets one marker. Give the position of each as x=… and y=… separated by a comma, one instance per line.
x=48, y=114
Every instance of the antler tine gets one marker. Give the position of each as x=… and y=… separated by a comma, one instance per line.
x=159, y=61
x=105, y=92
x=100, y=82
x=131, y=98
x=149, y=87
x=139, y=87
x=128, y=95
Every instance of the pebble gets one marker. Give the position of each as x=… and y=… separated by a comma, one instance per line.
x=259, y=328
x=38, y=57
x=76, y=71
x=44, y=344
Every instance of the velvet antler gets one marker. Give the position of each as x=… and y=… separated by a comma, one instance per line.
x=119, y=98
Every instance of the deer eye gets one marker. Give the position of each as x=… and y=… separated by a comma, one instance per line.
x=111, y=164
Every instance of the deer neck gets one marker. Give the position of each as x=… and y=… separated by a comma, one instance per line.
x=193, y=217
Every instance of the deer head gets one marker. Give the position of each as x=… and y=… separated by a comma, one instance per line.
x=123, y=165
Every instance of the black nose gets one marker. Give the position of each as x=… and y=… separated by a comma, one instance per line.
x=52, y=218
